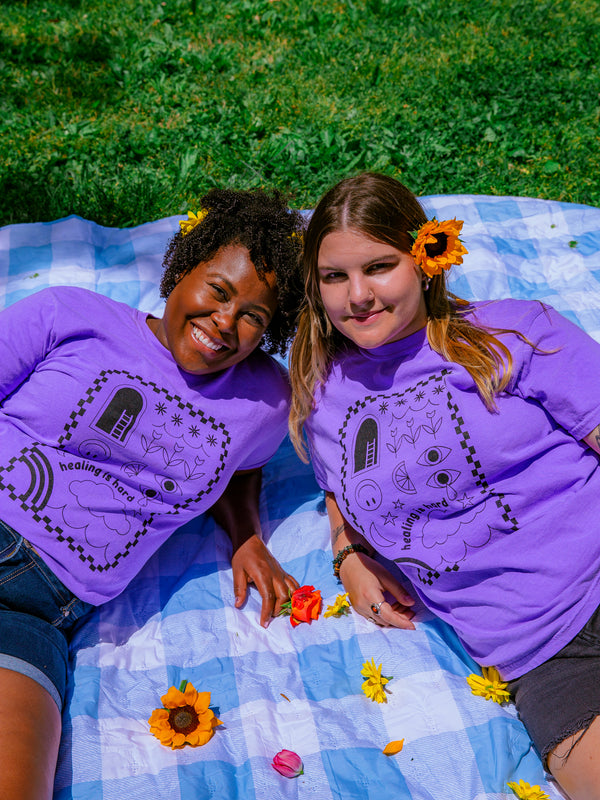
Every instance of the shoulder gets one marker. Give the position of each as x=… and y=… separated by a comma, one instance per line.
x=268, y=366
x=260, y=377
x=73, y=297
x=66, y=311
x=508, y=313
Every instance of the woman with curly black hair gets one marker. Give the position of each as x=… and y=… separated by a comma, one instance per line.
x=137, y=425
x=270, y=232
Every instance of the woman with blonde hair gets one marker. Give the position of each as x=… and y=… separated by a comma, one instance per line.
x=458, y=440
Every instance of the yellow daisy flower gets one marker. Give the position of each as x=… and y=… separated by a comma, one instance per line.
x=190, y=223
x=443, y=234
x=340, y=606
x=489, y=685
x=374, y=686
x=184, y=719
x=525, y=791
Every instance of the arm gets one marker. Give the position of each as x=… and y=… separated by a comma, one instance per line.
x=593, y=439
x=365, y=579
x=236, y=511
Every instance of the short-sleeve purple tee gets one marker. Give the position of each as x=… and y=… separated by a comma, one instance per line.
x=107, y=446
x=493, y=516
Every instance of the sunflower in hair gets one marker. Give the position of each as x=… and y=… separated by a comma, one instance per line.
x=437, y=246
x=188, y=225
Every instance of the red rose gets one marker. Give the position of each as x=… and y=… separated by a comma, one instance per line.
x=305, y=605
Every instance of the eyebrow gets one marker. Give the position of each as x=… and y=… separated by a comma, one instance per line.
x=255, y=306
x=377, y=260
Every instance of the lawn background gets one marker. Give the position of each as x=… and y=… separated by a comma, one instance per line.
x=125, y=111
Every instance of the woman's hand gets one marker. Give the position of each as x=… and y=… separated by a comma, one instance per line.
x=253, y=563
x=366, y=582
x=236, y=511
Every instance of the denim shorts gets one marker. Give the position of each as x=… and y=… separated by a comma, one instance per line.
x=561, y=697
x=37, y=615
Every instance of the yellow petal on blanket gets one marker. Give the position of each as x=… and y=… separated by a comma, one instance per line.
x=393, y=747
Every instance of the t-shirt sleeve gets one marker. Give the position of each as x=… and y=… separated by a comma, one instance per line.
x=318, y=468
x=272, y=416
x=26, y=337
x=562, y=372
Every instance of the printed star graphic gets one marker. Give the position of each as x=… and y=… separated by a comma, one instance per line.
x=389, y=517
x=398, y=504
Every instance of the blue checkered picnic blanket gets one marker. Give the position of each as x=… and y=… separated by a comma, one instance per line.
x=298, y=689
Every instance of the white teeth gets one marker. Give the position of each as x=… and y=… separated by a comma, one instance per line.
x=200, y=337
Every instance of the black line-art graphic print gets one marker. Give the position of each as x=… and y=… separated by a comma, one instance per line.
x=130, y=450
x=408, y=471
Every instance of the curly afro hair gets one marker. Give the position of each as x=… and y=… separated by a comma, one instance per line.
x=271, y=232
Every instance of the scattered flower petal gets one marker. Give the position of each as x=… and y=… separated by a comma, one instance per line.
x=525, y=791
x=288, y=764
x=184, y=719
x=489, y=685
x=340, y=606
x=393, y=747
x=374, y=686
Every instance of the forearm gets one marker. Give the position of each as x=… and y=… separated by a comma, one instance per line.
x=342, y=533
x=236, y=511
x=368, y=583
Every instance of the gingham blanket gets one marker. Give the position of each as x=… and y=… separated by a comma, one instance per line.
x=298, y=689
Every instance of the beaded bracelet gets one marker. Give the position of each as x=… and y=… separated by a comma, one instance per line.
x=344, y=553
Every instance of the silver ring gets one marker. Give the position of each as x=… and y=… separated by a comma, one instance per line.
x=370, y=619
x=375, y=607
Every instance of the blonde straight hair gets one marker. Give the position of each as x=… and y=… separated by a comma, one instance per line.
x=383, y=209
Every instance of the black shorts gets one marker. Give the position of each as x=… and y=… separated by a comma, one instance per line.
x=562, y=695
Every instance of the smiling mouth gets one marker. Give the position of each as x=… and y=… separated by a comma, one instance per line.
x=203, y=339
x=366, y=317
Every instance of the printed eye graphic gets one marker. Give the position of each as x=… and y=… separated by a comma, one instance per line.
x=151, y=494
x=168, y=485
x=433, y=456
x=443, y=478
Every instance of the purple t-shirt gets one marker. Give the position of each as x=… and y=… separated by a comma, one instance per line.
x=493, y=517
x=106, y=445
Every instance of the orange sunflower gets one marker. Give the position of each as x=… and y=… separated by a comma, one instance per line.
x=443, y=234
x=184, y=719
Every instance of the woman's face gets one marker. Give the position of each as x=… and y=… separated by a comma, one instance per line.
x=216, y=314
x=372, y=292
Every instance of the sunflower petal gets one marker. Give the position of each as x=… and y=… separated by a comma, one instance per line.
x=394, y=747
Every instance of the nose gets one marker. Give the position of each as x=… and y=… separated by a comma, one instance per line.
x=224, y=319
x=359, y=290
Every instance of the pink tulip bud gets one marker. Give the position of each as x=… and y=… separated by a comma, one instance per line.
x=288, y=764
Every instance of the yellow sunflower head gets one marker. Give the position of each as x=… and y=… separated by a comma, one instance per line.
x=437, y=246
x=489, y=685
x=184, y=719
x=374, y=686
x=188, y=225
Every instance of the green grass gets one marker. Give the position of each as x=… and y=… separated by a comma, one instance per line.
x=124, y=111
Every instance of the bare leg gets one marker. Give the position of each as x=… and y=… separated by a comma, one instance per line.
x=578, y=772
x=30, y=728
